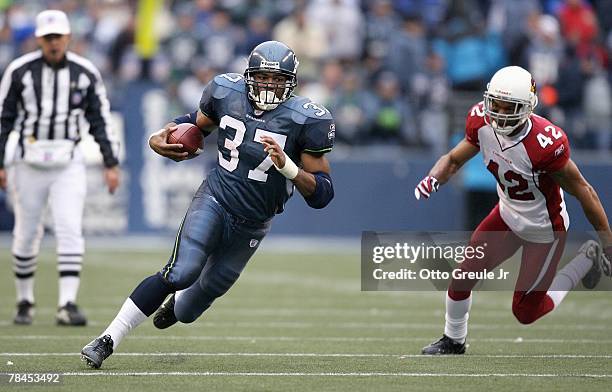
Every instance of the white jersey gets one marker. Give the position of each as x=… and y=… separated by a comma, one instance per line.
x=530, y=202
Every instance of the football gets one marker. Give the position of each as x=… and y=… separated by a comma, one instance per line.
x=190, y=136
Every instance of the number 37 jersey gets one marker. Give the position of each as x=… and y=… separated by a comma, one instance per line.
x=244, y=180
x=531, y=202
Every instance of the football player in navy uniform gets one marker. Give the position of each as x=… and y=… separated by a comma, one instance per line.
x=270, y=142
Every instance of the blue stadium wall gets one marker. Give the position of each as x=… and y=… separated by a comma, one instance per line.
x=374, y=187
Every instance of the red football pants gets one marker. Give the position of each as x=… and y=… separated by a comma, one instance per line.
x=538, y=266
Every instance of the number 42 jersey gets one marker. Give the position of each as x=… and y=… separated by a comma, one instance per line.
x=244, y=180
x=531, y=203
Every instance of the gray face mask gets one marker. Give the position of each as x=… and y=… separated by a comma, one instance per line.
x=265, y=95
x=506, y=123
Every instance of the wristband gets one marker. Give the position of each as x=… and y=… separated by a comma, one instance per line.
x=290, y=170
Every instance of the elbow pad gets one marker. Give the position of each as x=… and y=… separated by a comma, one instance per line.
x=324, y=191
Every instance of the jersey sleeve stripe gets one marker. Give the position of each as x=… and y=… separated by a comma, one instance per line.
x=319, y=150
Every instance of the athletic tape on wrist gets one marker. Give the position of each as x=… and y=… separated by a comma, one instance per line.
x=290, y=170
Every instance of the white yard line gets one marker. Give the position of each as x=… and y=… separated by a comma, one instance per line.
x=376, y=314
x=517, y=340
x=379, y=325
x=340, y=355
x=360, y=374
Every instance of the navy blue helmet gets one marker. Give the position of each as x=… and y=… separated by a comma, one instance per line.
x=271, y=57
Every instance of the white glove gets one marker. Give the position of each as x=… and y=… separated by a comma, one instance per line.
x=426, y=187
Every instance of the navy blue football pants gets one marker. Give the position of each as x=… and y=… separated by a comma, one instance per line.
x=212, y=248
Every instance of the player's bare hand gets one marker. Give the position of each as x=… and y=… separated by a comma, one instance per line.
x=426, y=187
x=3, y=179
x=159, y=143
x=111, y=178
x=274, y=151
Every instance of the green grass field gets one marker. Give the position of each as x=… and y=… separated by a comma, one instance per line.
x=299, y=322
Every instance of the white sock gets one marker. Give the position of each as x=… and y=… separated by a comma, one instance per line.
x=457, y=314
x=68, y=288
x=128, y=318
x=569, y=277
x=25, y=289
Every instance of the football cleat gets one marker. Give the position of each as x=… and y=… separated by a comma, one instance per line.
x=164, y=317
x=444, y=346
x=69, y=314
x=97, y=351
x=606, y=261
x=592, y=250
x=25, y=312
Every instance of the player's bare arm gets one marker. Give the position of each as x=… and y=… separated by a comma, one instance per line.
x=572, y=181
x=305, y=181
x=450, y=163
x=159, y=140
x=445, y=168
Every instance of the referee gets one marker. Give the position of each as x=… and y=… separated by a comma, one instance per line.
x=48, y=97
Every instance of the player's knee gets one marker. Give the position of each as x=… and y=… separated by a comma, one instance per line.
x=186, y=317
x=183, y=277
x=217, y=284
x=456, y=295
x=182, y=281
x=187, y=312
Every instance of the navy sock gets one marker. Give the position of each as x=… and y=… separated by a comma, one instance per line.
x=150, y=294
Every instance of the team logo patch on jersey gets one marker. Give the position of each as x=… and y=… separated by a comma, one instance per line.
x=253, y=243
x=503, y=158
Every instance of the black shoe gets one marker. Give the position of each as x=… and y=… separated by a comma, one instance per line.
x=25, y=311
x=164, y=317
x=592, y=250
x=97, y=351
x=69, y=314
x=444, y=346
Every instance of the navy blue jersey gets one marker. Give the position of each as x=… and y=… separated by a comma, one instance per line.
x=244, y=180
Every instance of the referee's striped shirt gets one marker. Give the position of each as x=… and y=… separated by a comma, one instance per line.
x=52, y=102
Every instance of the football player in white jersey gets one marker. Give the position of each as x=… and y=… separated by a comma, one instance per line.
x=530, y=159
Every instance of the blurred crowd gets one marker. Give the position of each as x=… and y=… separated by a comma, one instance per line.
x=391, y=71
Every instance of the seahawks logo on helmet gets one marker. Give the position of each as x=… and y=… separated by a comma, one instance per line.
x=271, y=57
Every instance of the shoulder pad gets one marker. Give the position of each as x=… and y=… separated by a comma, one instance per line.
x=474, y=120
x=307, y=109
x=232, y=81
x=547, y=145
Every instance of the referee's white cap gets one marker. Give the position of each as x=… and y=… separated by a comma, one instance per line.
x=52, y=22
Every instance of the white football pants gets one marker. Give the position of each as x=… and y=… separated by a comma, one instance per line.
x=64, y=189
